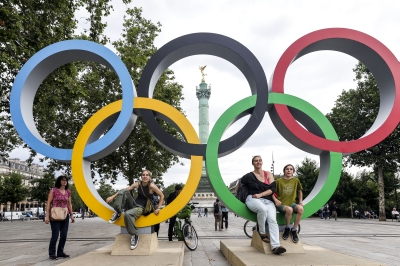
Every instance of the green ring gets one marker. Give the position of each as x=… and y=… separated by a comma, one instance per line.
x=230, y=115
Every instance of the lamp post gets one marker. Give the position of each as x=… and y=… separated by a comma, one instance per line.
x=272, y=165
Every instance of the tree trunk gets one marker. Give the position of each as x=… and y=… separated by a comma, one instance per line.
x=351, y=209
x=395, y=192
x=382, y=213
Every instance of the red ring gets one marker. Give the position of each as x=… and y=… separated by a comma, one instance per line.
x=291, y=54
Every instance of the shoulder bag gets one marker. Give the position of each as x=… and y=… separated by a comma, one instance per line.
x=149, y=208
x=58, y=213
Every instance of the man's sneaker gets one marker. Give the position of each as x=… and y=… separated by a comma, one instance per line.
x=114, y=217
x=134, y=241
x=295, y=238
x=286, y=233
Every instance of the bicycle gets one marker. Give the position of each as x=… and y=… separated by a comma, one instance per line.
x=250, y=226
x=187, y=233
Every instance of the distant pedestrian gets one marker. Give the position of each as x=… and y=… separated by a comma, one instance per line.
x=218, y=215
x=225, y=213
x=327, y=212
x=205, y=212
x=59, y=196
x=333, y=209
x=199, y=212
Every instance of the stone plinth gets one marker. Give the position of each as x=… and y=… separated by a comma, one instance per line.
x=148, y=243
x=240, y=253
x=167, y=254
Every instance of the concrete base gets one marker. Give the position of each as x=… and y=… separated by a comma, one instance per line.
x=265, y=248
x=167, y=253
x=148, y=243
x=240, y=253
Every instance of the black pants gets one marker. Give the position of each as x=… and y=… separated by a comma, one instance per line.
x=157, y=228
x=171, y=226
x=224, y=218
x=58, y=228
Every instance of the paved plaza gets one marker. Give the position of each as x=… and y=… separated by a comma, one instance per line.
x=26, y=243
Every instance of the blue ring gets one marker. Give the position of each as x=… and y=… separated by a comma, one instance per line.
x=39, y=67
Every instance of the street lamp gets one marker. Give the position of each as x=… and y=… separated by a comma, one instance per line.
x=272, y=165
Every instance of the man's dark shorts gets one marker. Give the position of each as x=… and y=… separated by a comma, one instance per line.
x=281, y=210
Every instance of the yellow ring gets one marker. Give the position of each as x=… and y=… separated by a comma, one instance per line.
x=81, y=167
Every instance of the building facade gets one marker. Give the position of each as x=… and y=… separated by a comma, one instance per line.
x=28, y=172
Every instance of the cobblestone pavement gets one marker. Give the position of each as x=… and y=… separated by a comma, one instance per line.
x=26, y=243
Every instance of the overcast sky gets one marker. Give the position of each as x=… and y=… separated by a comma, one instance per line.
x=267, y=29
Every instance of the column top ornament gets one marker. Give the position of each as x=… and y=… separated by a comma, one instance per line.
x=202, y=73
x=203, y=91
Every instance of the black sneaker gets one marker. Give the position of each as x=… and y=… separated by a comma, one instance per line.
x=295, y=238
x=114, y=217
x=134, y=241
x=286, y=233
x=62, y=255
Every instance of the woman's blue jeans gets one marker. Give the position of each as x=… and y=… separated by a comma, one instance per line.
x=266, y=211
x=58, y=228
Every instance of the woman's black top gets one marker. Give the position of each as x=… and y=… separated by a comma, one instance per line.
x=141, y=199
x=254, y=186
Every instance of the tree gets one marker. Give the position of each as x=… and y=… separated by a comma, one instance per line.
x=73, y=98
x=76, y=201
x=40, y=188
x=25, y=28
x=352, y=116
x=12, y=189
x=105, y=190
x=307, y=172
x=141, y=150
x=346, y=192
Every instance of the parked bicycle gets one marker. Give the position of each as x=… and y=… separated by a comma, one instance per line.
x=186, y=232
x=250, y=226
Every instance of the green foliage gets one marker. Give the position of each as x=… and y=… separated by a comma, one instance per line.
x=12, y=189
x=353, y=115
x=140, y=150
x=74, y=92
x=26, y=27
x=307, y=172
x=76, y=200
x=105, y=191
x=41, y=187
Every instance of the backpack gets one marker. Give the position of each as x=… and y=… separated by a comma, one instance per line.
x=216, y=207
x=242, y=193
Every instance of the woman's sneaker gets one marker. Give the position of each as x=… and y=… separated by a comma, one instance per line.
x=114, y=217
x=134, y=241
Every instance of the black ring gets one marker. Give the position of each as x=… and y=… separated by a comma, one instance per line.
x=210, y=44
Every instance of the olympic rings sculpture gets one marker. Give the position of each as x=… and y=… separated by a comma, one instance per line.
x=286, y=112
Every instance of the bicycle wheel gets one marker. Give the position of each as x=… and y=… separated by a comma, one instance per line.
x=190, y=236
x=249, y=227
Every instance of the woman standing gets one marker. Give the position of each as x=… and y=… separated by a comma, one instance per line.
x=59, y=196
x=261, y=185
x=134, y=208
